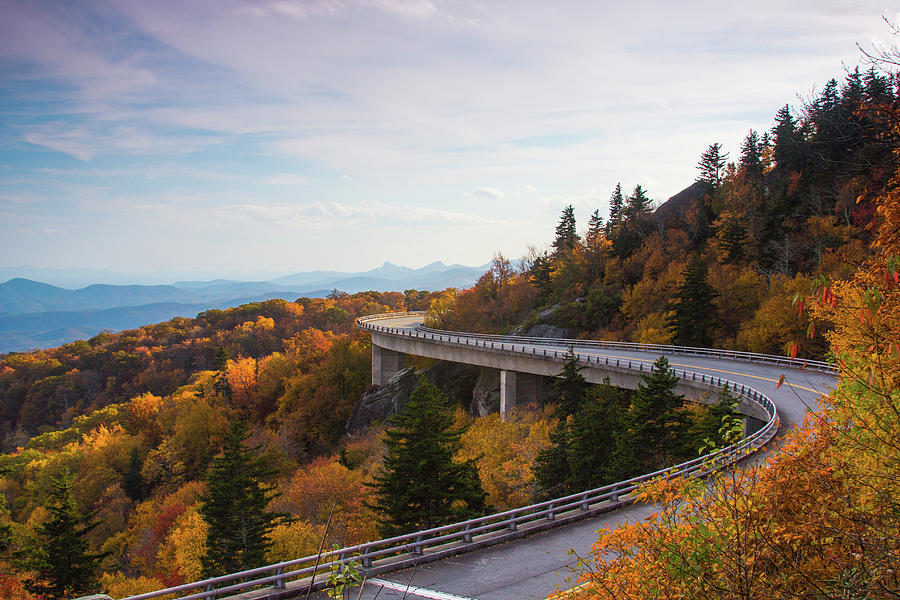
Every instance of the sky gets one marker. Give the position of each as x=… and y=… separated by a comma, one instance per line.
x=280, y=136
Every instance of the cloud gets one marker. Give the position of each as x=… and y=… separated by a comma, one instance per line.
x=287, y=179
x=488, y=193
x=321, y=214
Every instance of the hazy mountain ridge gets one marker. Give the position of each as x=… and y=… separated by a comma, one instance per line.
x=40, y=315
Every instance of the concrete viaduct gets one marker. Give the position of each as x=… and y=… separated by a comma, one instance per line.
x=526, y=365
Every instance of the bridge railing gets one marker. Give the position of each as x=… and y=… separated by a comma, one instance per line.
x=292, y=578
x=366, y=322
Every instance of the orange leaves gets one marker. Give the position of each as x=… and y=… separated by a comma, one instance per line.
x=780, y=381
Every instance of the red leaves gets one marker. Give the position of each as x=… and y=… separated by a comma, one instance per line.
x=780, y=381
x=794, y=349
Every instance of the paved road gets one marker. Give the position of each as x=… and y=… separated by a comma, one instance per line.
x=535, y=566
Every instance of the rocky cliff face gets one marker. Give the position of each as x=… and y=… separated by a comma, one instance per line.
x=454, y=379
x=386, y=400
x=486, y=394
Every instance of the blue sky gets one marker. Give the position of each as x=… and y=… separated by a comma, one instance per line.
x=279, y=135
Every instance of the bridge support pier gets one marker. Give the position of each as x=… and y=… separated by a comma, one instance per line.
x=385, y=363
x=519, y=388
x=508, y=396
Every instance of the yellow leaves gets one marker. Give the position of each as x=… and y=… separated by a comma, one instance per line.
x=184, y=547
x=504, y=451
x=294, y=540
x=260, y=325
x=118, y=585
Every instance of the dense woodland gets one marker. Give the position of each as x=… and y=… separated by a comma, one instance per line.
x=789, y=248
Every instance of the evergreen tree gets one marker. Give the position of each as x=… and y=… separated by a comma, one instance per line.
x=570, y=385
x=133, y=483
x=552, y=469
x=616, y=210
x=653, y=420
x=566, y=236
x=712, y=165
x=593, y=241
x=788, y=139
x=221, y=359
x=594, y=230
x=635, y=224
x=751, y=157
x=60, y=557
x=638, y=207
x=594, y=437
x=541, y=278
x=733, y=237
x=235, y=507
x=693, y=312
x=419, y=485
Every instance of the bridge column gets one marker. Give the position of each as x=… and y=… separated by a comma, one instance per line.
x=385, y=363
x=508, y=394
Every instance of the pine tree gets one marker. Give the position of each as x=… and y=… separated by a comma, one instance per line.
x=751, y=157
x=419, y=485
x=594, y=437
x=693, y=311
x=712, y=165
x=133, y=483
x=593, y=241
x=616, y=210
x=541, y=277
x=235, y=507
x=638, y=207
x=60, y=557
x=571, y=386
x=652, y=418
x=786, y=151
x=552, y=469
x=594, y=230
x=566, y=235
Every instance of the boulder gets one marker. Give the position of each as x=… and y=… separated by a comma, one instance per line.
x=486, y=395
x=382, y=402
x=544, y=330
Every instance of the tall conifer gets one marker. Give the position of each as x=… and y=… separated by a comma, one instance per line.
x=616, y=210
x=693, y=312
x=420, y=485
x=566, y=235
x=712, y=165
x=60, y=556
x=235, y=507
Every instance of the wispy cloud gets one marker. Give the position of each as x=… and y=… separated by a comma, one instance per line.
x=329, y=114
x=322, y=214
x=488, y=193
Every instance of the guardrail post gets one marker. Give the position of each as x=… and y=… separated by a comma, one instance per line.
x=211, y=592
x=550, y=515
x=512, y=525
x=418, y=547
x=467, y=537
x=279, y=583
x=614, y=495
x=584, y=503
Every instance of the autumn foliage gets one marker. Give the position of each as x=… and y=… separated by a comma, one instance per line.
x=821, y=517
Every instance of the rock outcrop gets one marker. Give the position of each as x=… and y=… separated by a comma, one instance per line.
x=455, y=380
x=384, y=401
x=486, y=394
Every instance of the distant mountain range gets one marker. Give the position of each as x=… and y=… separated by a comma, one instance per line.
x=40, y=315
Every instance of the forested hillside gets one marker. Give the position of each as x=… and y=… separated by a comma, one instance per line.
x=720, y=263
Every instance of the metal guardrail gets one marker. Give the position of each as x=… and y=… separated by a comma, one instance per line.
x=292, y=578
x=794, y=363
